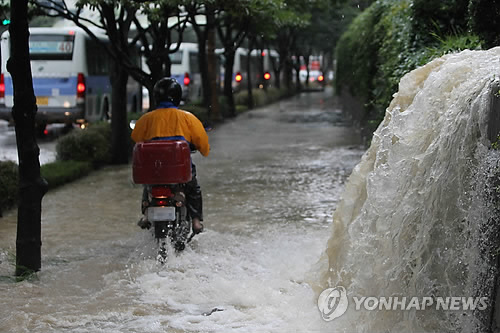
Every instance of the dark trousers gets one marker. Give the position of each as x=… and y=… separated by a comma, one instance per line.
x=192, y=190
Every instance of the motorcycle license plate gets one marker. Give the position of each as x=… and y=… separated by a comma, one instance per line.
x=161, y=213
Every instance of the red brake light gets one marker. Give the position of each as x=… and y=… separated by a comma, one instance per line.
x=267, y=76
x=321, y=78
x=2, y=86
x=161, y=192
x=238, y=77
x=80, y=86
x=187, y=80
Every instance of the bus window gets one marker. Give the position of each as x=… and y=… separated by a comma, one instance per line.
x=176, y=58
x=98, y=63
x=193, y=63
x=51, y=47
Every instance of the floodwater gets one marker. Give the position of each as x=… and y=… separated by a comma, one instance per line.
x=270, y=186
x=8, y=146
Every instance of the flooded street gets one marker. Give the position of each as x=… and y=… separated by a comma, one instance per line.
x=8, y=147
x=270, y=186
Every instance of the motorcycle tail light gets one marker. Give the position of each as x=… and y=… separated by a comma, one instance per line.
x=162, y=202
x=161, y=192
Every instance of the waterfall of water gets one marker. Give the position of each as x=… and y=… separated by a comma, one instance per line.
x=415, y=219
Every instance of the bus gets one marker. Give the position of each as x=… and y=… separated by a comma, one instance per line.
x=70, y=77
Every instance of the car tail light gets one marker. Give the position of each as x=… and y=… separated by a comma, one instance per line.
x=2, y=88
x=187, y=79
x=161, y=192
x=80, y=88
x=238, y=77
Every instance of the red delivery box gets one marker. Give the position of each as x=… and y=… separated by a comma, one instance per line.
x=161, y=162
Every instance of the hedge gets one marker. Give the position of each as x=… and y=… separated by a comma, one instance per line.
x=8, y=184
x=381, y=45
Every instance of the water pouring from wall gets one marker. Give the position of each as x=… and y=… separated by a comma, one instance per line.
x=415, y=219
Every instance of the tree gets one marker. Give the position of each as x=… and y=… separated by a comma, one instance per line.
x=115, y=19
x=202, y=17
x=239, y=20
x=157, y=39
x=32, y=187
x=232, y=28
x=292, y=17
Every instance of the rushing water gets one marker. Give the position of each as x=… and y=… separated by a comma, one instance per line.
x=414, y=219
x=270, y=184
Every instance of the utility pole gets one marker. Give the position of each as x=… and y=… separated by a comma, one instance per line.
x=32, y=186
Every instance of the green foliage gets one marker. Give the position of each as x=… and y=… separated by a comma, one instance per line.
x=485, y=20
x=357, y=53
x=62, y=172
x=8, y=184
x=496, y=145
x=382, y=44
x=89, y=145
x=443, y=17
x=450, y=44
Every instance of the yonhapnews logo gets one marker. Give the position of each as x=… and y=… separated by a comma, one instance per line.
x=333, y=303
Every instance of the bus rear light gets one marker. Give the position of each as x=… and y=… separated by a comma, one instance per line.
x=238, y=77
x=187, y=79
x=2, y=89
x=80, y=88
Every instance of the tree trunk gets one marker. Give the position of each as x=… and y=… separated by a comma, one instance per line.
x=288, y=77
x=213, y=107
x=119, y=126
x=32, y=186
x=205, y=79
x=306, y=62
x=250, y=102
x=228, y=82
x=276, y=71
x=298, y=86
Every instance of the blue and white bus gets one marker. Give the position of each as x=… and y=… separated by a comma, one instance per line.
x=70, y=77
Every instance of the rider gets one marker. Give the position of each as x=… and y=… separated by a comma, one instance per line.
x=168, y=122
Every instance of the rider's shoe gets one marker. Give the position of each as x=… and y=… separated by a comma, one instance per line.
x=197, y=228
x=144, y=223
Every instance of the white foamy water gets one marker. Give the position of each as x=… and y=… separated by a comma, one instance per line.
x=413, y=213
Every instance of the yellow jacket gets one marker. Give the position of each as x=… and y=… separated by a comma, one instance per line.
x=172, y=122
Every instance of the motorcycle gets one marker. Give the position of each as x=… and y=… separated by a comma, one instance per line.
x=164, y=167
